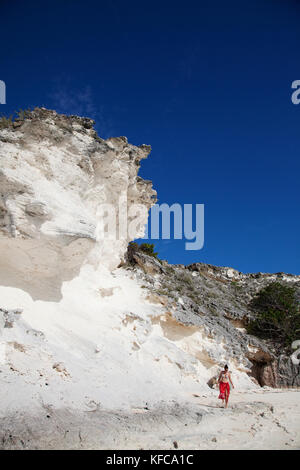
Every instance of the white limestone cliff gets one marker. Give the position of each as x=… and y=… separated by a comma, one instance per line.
x=79, y=333
x=55, y=173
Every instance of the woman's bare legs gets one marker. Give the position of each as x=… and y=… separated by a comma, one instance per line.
x=226, y=398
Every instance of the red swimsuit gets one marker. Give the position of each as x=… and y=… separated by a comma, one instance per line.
x=224, y=387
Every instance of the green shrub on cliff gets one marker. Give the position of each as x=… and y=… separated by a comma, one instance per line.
x=277, y=314
x=148, y=248
x=5, y=122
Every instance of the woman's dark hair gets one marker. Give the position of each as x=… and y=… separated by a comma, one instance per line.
x=226, y=366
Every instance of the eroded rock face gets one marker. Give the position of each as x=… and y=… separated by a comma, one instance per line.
x=216, y=299
x=54, y=173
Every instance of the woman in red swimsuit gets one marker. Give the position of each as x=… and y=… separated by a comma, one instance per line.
x=224, y=379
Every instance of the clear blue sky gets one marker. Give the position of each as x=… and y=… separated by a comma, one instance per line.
x=206, y=83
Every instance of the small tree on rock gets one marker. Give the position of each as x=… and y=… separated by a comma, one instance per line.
x=277, y=314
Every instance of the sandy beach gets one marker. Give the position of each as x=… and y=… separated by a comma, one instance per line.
x=262, y=419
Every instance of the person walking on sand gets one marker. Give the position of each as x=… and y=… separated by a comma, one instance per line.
x=224, y=379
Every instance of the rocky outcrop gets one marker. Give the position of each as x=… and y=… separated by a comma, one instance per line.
x=8, y=317
x=217, y=300
x=288, y=374
x=55, y=173
x=149, y=264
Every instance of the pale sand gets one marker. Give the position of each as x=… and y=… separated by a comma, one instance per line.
x=264, y=419
x=260, y=419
